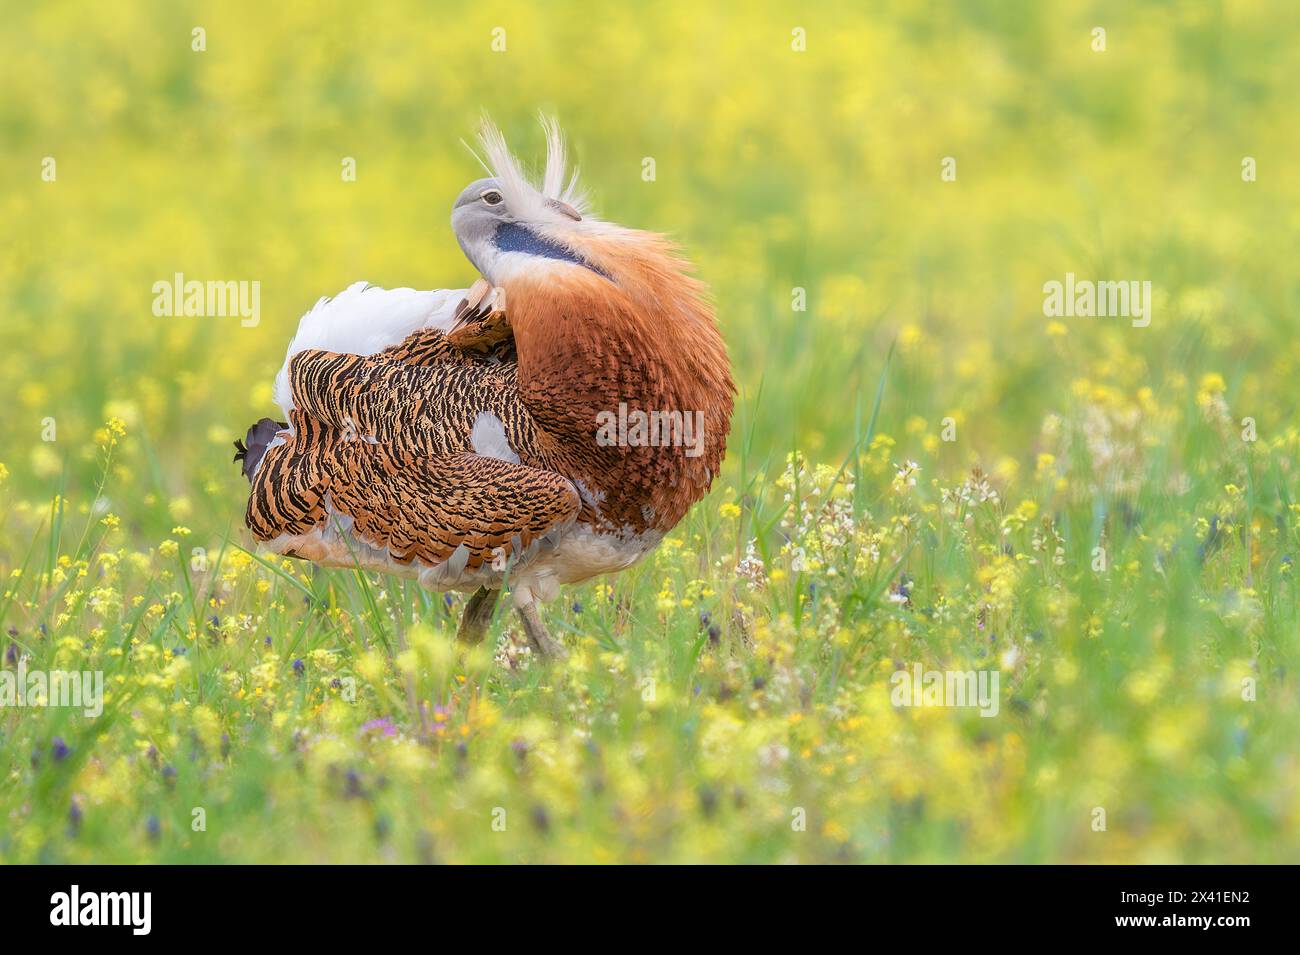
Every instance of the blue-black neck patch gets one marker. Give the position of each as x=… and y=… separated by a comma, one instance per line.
x=513, y=237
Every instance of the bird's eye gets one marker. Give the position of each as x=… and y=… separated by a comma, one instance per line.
x=492, y=197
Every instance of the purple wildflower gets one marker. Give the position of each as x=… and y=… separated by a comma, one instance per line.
x=379, y=727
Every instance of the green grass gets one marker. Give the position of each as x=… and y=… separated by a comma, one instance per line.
x=729, y=699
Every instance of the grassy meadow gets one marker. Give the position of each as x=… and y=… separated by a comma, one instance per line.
x=924, y=468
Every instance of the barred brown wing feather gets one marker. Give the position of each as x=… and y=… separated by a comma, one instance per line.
x=415, y=408
x=425, y=346
x=425, y=509
x=288, y=490
x=461, y=507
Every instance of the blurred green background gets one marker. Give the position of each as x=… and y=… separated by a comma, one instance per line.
x=777, y=169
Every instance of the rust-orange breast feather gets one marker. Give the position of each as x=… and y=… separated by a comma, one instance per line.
x=639, y=331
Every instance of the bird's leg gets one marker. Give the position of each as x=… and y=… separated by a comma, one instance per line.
x=480, y=322
x=477, y=618
x=542, y=642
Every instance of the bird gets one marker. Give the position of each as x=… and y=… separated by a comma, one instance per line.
x=548, y=425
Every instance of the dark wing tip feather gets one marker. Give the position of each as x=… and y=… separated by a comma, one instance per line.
x=249, y=451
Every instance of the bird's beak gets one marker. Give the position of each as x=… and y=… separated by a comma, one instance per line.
x=564, y=209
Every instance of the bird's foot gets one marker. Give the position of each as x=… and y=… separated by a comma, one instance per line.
x=477, y=617
x=543, y=644
x=480, y=323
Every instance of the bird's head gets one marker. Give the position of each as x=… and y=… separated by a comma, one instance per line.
x=505, y=222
